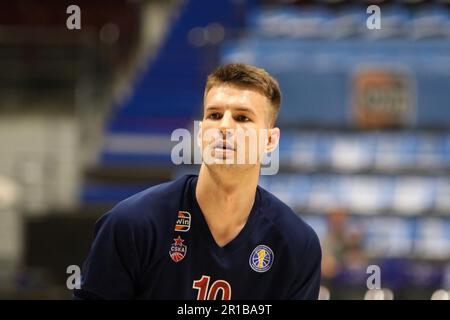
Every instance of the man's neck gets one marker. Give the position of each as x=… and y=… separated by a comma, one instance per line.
x=226, y=199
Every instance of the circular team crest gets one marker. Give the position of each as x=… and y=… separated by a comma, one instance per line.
x=261, y=258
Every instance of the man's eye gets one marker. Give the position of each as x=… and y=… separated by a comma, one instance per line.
x=242, y=119
x=214, y=116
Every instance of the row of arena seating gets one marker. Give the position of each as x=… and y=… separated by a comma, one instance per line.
x=393, y=236
x=381, y=151
x=365, y=194
x=319, y=22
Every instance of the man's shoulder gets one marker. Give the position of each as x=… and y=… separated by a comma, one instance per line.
x=151, y=203
x=288, y=223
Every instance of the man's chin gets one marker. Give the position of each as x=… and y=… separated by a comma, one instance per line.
x=220, y=164
x=216, y=161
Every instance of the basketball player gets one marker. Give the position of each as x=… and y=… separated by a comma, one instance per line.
x=217, y=235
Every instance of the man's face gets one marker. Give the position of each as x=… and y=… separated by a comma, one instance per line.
x=234, y=126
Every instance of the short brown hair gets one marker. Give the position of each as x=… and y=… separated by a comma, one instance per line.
x=240, y=74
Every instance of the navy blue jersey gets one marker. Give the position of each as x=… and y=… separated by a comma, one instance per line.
x=157, y=245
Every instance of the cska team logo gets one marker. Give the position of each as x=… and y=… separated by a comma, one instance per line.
x=178, y=250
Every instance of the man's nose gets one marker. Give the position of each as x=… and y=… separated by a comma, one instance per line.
x=226, y=123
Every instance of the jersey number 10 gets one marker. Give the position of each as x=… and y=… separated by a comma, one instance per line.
x=210, y=293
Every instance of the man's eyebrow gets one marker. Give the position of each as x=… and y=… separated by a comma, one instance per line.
x=212, y=108
x=244, y=109
x=240, y=108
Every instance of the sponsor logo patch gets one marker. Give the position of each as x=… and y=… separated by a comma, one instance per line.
x=183, y=221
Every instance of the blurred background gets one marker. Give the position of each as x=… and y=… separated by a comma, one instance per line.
x=86, y=118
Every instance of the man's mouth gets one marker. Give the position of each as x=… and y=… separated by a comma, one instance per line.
x=223, y=145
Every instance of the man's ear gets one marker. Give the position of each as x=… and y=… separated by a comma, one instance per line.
x=199, y=135
x=273, y=138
